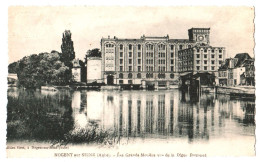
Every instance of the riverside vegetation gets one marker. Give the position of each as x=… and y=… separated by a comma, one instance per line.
x=31, y=116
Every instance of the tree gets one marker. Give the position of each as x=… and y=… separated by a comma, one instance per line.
x=13, y=67
x=46, y=68
x=67, y=49
x=94, y=53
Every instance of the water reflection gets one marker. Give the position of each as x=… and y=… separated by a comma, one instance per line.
x=141, y=114
x=169, y=114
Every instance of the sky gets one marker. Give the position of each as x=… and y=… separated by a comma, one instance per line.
x=32, y=30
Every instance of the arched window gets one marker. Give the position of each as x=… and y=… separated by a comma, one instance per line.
x=171, y=76
x=121, y=46
x=121, y=75
x=130, y=75
x=130, y=46
x=139, y=75
x=139, y=46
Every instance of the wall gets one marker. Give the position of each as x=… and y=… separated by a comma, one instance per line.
x=94, y=70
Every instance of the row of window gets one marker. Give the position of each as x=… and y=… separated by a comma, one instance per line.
x=206, y=56
x=130, y=68
x=149, y=61
x=212, y=51
x=130, y=61
x=129, y=54
x=161, y=54
x=161, y=68
x=148, y=68
x=205, y=68
x=206, y=62
x=148, y=54
x=148, y=47
x=161, y=61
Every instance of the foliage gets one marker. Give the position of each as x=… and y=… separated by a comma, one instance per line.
x=94, y=53
x=46, y=68
x=33, y=116
x=13, y=67
x=67, y=49
x=90, y=134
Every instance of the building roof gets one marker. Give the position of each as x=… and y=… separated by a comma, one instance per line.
x=241, y=58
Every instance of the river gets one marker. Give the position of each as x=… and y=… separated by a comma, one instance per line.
x=134, y=116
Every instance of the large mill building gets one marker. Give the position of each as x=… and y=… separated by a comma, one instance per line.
x=158, y=60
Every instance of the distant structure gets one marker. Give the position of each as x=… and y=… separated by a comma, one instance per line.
x=12, y=79
x=93, y=64
x=76, y=70
x=158, y=61
x=201, y=57
x=239, y=70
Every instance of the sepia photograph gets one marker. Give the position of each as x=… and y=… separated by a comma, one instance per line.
x=131, y=81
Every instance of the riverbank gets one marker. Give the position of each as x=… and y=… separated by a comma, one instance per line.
x=238, y=92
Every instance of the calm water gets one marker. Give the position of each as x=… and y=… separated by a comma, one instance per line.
x=135, y=115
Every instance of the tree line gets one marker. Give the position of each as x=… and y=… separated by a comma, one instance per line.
x=52, y=68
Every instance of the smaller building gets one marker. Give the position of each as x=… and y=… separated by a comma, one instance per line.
x=94, y=69
x=200, y=58
x=76, y=71
x=236, y=71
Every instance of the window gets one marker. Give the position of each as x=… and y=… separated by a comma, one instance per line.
x=121, y=46
x=212, y=62
x=171, y=54
x=139, y=68
x=180, y=47
x=130, y=82
x=121, y=61
x=139, y=61
x=171, y=68
x=139, y=47
x=189, y=46
x=172, y=76
x=198, y=67
x=198, y=50
x=130, y=68
x=212, y=51
x=220, y=62
x=212, y=68
x=130, y=61
x=130, y=54
x=205, y=62
x=130, y=75
x=198, y=61
x=121, y=54
x=121, y=75
x=139, y=75
x=205, y=50
x=205, y=56
x=212, y=56
x=139, y=54
x=121, y=68
x=172, y=47
x=205, y=68
x=220, y=51
x=130, y=47
x=198, y=55
x=121, y=82
x=171, y=61
x=220, y=56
